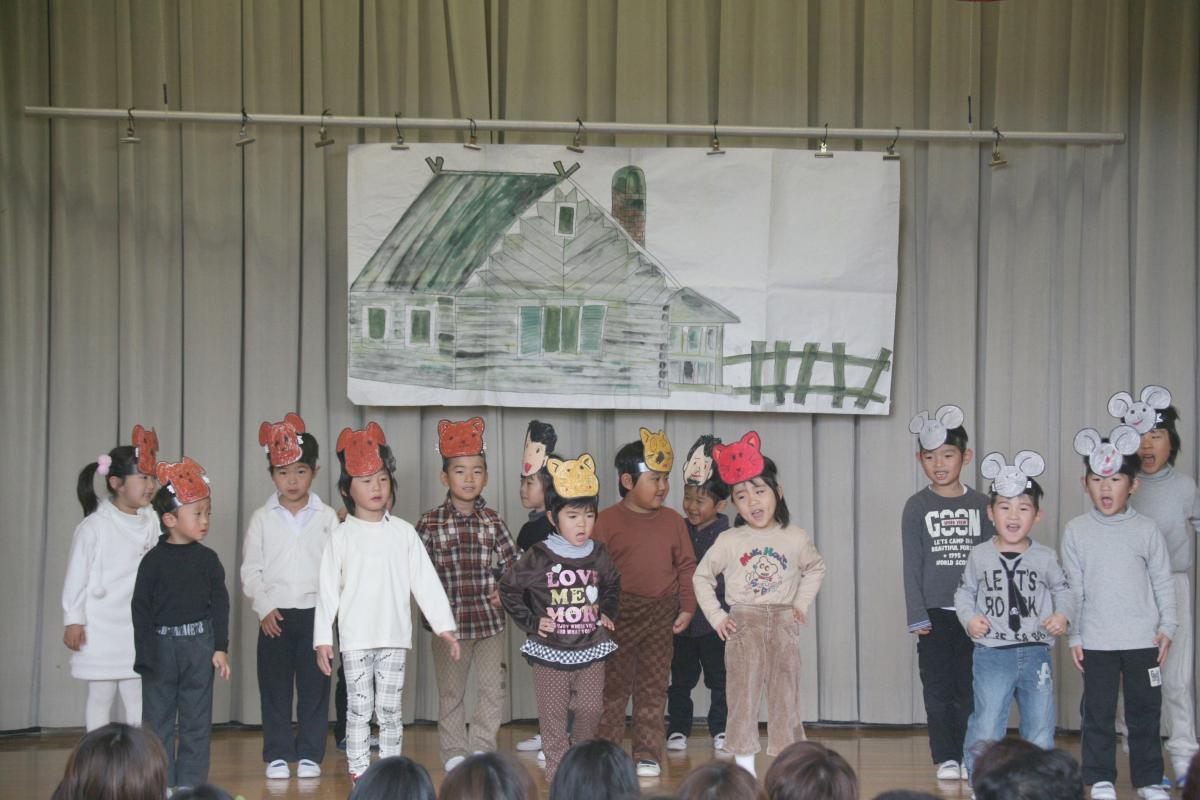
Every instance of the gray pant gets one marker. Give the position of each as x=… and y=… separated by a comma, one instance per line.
x=181, y=683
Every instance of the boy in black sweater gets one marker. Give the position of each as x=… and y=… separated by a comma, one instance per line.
x=181, y=623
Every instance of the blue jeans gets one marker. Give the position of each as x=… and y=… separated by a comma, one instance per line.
x=1001, y=674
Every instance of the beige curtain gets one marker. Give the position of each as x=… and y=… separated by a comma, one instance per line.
x=201, y=288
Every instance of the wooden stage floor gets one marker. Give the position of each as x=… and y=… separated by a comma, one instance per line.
x=31, y=765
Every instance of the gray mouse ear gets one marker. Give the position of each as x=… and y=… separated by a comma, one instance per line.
x=1086, y=441
x=1030, y=464
x=950, y=416
x=917, y=423
x=1125, y=439
x=1157, y=397
x=1119, y=404
x=991, y=465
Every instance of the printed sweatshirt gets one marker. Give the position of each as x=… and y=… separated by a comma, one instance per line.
x=1169, y=497
x=1015, y=594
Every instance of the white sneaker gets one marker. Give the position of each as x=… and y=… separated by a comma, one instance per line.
x=278, y=770
x=530, y=744
x=648, y=769
x=962, y=773
x=542, y=757
x=1153, y=793
x=1104, y=790
x=307, y=768
x=718, y=743
x=677, y=741
x=949, y=771
x=454, y=762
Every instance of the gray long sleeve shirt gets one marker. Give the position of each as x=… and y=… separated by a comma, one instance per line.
x=1170, y=499
x=1039, y=581
x=937, y=534
x=1120, y=576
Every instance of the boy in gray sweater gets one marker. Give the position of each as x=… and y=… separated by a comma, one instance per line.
x=940, y=525
x=1120, y=574
x=1013, y=600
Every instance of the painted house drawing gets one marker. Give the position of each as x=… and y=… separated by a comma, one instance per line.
x=521, y=282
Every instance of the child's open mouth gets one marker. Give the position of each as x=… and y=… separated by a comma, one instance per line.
x=1106, y=502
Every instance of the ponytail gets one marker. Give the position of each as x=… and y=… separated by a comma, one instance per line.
x=85, y=490
x=119, y=462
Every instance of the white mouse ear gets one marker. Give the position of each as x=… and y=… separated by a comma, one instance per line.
x=950, y=416
x=1119, y=404
x=1157, y=397
x=917, y=423
x=991, y=465
x=1086, y=441
x=1030, y=463
x=1125, y=439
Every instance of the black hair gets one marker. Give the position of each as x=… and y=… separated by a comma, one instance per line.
x=164, y=503
x=628, y=462
x=595, y=770
x=714, y=487
x=719, y=780
x=1130, y=464
x=124, y=464
x=489, y=776
x=1027, y=773
x=309, y=452
x=394, y=777
x=905, y=794
x=956, y=437
x=542, y=433
x=447, y=459
x=205, y=791
x=770, y=476
x=345, y=478
x=547, y=480
x=115, y=762
x=1034, y=490
x=809, y=769
x=1169, y=417
x=558, y=503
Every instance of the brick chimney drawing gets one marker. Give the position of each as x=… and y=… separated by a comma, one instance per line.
x=629, y=201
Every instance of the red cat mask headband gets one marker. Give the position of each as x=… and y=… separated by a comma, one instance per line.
x=740, y=461
x=360, y=450
x=282, y=440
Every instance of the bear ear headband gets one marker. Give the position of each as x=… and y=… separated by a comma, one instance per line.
x=932, y=431
x=1105, y=457
x=574, y=478
x=360, y=450
x=145, y=449
x=281, y=440
x=186, y=480
x=460, y=438
x=658, y=455
x=1011, y=480
x=740, y=461
x=1142, y=416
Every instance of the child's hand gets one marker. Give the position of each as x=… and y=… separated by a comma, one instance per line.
x=928, y=629
x=341, y=514
x=74, y=637
x=325, y=659
x=726, y=628
x=452, y=640
x=220, y=663
x=978, y=626
x=800, y=616
x=1056, y=624
x=1077, y=657
x=270, y=623
x=1164, y=644
x=493, y=597
x=545, y=627
x=605, y=622
x=682, y=621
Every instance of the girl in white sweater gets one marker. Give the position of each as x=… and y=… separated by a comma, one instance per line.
x=107, y=548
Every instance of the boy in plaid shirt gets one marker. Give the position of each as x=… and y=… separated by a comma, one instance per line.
x=463, y=537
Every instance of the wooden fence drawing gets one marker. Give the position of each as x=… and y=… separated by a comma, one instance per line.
x=802, y=386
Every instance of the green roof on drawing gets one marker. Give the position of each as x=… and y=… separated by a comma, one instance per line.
x=449, y=230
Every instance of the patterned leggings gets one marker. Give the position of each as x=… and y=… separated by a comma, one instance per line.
x=559, y=692
x=374, y=682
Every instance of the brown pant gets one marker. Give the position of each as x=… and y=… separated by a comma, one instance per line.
x=640, y=667
x=560, y=692
x=764, y=653
x=487, y=655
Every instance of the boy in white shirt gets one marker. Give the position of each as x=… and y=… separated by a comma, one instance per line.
x=281, y=560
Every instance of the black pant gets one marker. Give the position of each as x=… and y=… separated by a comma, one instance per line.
x=693, y=654
x=1104, y=671
x=944, y=658
x=341, y=704
x=285, y=660
x=180, y=684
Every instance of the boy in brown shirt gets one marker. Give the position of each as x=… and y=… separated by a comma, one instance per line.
x=650, y=545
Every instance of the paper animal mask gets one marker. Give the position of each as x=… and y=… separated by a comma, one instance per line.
x=1143, y=416
x=932, y=431
x=145, y=444
x=1105, y=458
x=698, y=469
x=574, y=478
x=360, y=450
x=282, y=440
x=740, y=461
x=659, y=456
x=460, y=438
x=186, y=480
x=1011, y=480
x=540, y=440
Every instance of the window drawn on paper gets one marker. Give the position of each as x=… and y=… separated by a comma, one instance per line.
x=522, y=282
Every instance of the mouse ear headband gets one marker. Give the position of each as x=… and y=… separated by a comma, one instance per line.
x=1012, y=480
x=932, y=431
x=1105, y=458
x=282, y=441
x=1145, y=414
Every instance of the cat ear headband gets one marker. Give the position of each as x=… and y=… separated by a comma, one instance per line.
x=740, y=461
x=1012, y=480
x=658, y=456
x=932, y=431
x=1144, y=415
x=1105, y=458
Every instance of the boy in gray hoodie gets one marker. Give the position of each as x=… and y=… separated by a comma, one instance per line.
x=1013, y=600
x=1120, y=574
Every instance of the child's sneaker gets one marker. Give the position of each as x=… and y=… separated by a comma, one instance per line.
x=278, y=770
x=647, y=768
x=719, y=743
x=949, y=771
x=530, y=744
x=307, y=768
x=1152, y=793
x=1165, y=783
x=677, y=741
x=1104, y=790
